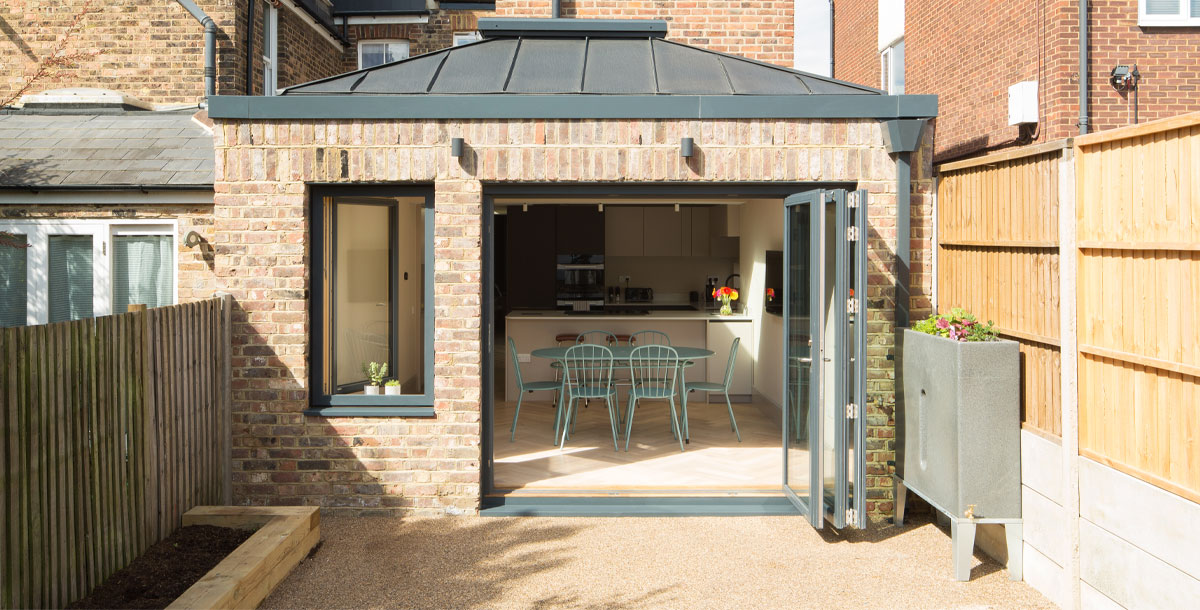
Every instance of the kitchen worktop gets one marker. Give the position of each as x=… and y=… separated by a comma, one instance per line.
x=539, y=314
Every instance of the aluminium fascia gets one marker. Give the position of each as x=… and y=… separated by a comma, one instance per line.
x=516, y=106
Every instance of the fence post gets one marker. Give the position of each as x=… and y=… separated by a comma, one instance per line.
x=1068, y=262
x=225, y=395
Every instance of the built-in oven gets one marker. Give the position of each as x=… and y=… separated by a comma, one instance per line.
x=579, y=281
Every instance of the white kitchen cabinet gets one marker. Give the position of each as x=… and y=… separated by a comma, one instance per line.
x=721, y=334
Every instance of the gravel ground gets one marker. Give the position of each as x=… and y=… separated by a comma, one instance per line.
x=729, y=562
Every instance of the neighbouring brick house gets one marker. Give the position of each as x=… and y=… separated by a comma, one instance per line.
x=286, y=166
x=969, y=54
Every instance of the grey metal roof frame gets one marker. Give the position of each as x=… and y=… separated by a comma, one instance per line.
x=728, y=96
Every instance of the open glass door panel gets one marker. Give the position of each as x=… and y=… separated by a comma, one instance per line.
x=825, y=380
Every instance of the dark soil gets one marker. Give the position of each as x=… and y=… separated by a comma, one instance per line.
x=166, y=569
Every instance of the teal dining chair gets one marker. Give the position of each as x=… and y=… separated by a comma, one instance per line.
x=649, y=337
x=708, y=386
x=526, y=386
x=654, y=370
x=587, y=370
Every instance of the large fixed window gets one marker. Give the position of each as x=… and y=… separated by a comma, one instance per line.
x=372, y=297
x=58, y=270
x=1168, y=13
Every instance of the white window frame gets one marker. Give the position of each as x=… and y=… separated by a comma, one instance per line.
x=462, y=38
x=270, y=50
x=37, y=279
x=1184, y=18
x=362, y=43
x=887, y=72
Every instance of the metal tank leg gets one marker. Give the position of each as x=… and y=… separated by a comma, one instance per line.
x=962, y=537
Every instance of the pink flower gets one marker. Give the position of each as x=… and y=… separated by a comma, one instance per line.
x=942, y=323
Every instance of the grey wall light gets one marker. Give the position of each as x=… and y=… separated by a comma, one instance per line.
x=456, y=147
x=192, y=239
x=685, y=147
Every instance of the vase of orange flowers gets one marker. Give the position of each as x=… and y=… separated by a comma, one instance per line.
x=727, y=295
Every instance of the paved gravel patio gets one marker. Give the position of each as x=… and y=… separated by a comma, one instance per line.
x=730, y=562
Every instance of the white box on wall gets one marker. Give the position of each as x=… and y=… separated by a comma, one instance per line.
x=1022, y=103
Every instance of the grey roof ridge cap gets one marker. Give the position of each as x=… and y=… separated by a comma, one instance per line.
x=791, y=71
x=364, y=71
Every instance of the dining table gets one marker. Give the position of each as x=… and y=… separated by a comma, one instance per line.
x=621, y=356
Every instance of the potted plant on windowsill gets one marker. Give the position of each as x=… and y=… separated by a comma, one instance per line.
x=392, y=387
x=375, y=372
x=959, y=420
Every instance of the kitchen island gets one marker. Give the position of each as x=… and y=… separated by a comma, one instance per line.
x=532, y=329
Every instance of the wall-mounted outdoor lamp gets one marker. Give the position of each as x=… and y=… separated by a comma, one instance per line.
x=456, y=147
x=192, y=239
x=600, y=207
x=685, y=147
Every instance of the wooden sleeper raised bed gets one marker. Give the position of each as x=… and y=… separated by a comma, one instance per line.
x=284, y=536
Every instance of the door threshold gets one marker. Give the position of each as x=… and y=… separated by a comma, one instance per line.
x=640, y=505
x=627, y=492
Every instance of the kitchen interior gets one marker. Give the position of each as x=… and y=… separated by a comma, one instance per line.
x=567, y=266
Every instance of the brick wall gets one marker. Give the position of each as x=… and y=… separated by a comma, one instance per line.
x=432, y=465
x=151, y=49
x=195, y=278
x=154, y=49
x=423, y=38
x=855, y=41
x=758, y=29
x=1168, y=59
x=970, y=53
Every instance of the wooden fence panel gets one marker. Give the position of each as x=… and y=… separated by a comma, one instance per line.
x=104, y=444
x=1138, y=191
x=998, y=257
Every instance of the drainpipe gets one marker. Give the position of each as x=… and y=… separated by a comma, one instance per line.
x=831, y=30
x=1083, y=67
x=250, y=48
x=210, y=45
x=901, y=137
x=555, y=9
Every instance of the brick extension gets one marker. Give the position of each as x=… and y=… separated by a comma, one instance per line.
x=431, y=466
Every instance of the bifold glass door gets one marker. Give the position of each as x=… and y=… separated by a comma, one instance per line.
x=824, y=355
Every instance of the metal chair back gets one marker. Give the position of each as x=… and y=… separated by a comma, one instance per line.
x=654, y=369
x=596, y=337
x=512, y=351
x=733, y=352
x=589, y=370
x=649, y=337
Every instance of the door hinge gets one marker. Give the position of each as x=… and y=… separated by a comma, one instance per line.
x=852, y=305
x=851, y=516
x=852, y=199
x=852, y=411
x=851, y=233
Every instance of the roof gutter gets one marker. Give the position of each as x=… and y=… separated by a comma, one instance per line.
x=210, y=45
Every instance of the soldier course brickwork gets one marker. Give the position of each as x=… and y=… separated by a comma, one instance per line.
x=433, y=465
x=970, y=53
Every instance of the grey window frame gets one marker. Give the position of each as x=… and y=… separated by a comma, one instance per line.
x=359, y=405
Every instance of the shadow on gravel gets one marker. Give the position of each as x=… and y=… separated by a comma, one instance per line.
x=438, y=563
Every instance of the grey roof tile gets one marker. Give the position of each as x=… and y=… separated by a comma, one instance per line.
x=134, y=148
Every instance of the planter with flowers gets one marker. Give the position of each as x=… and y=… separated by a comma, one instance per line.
x=958, y=437
x=726, y=294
